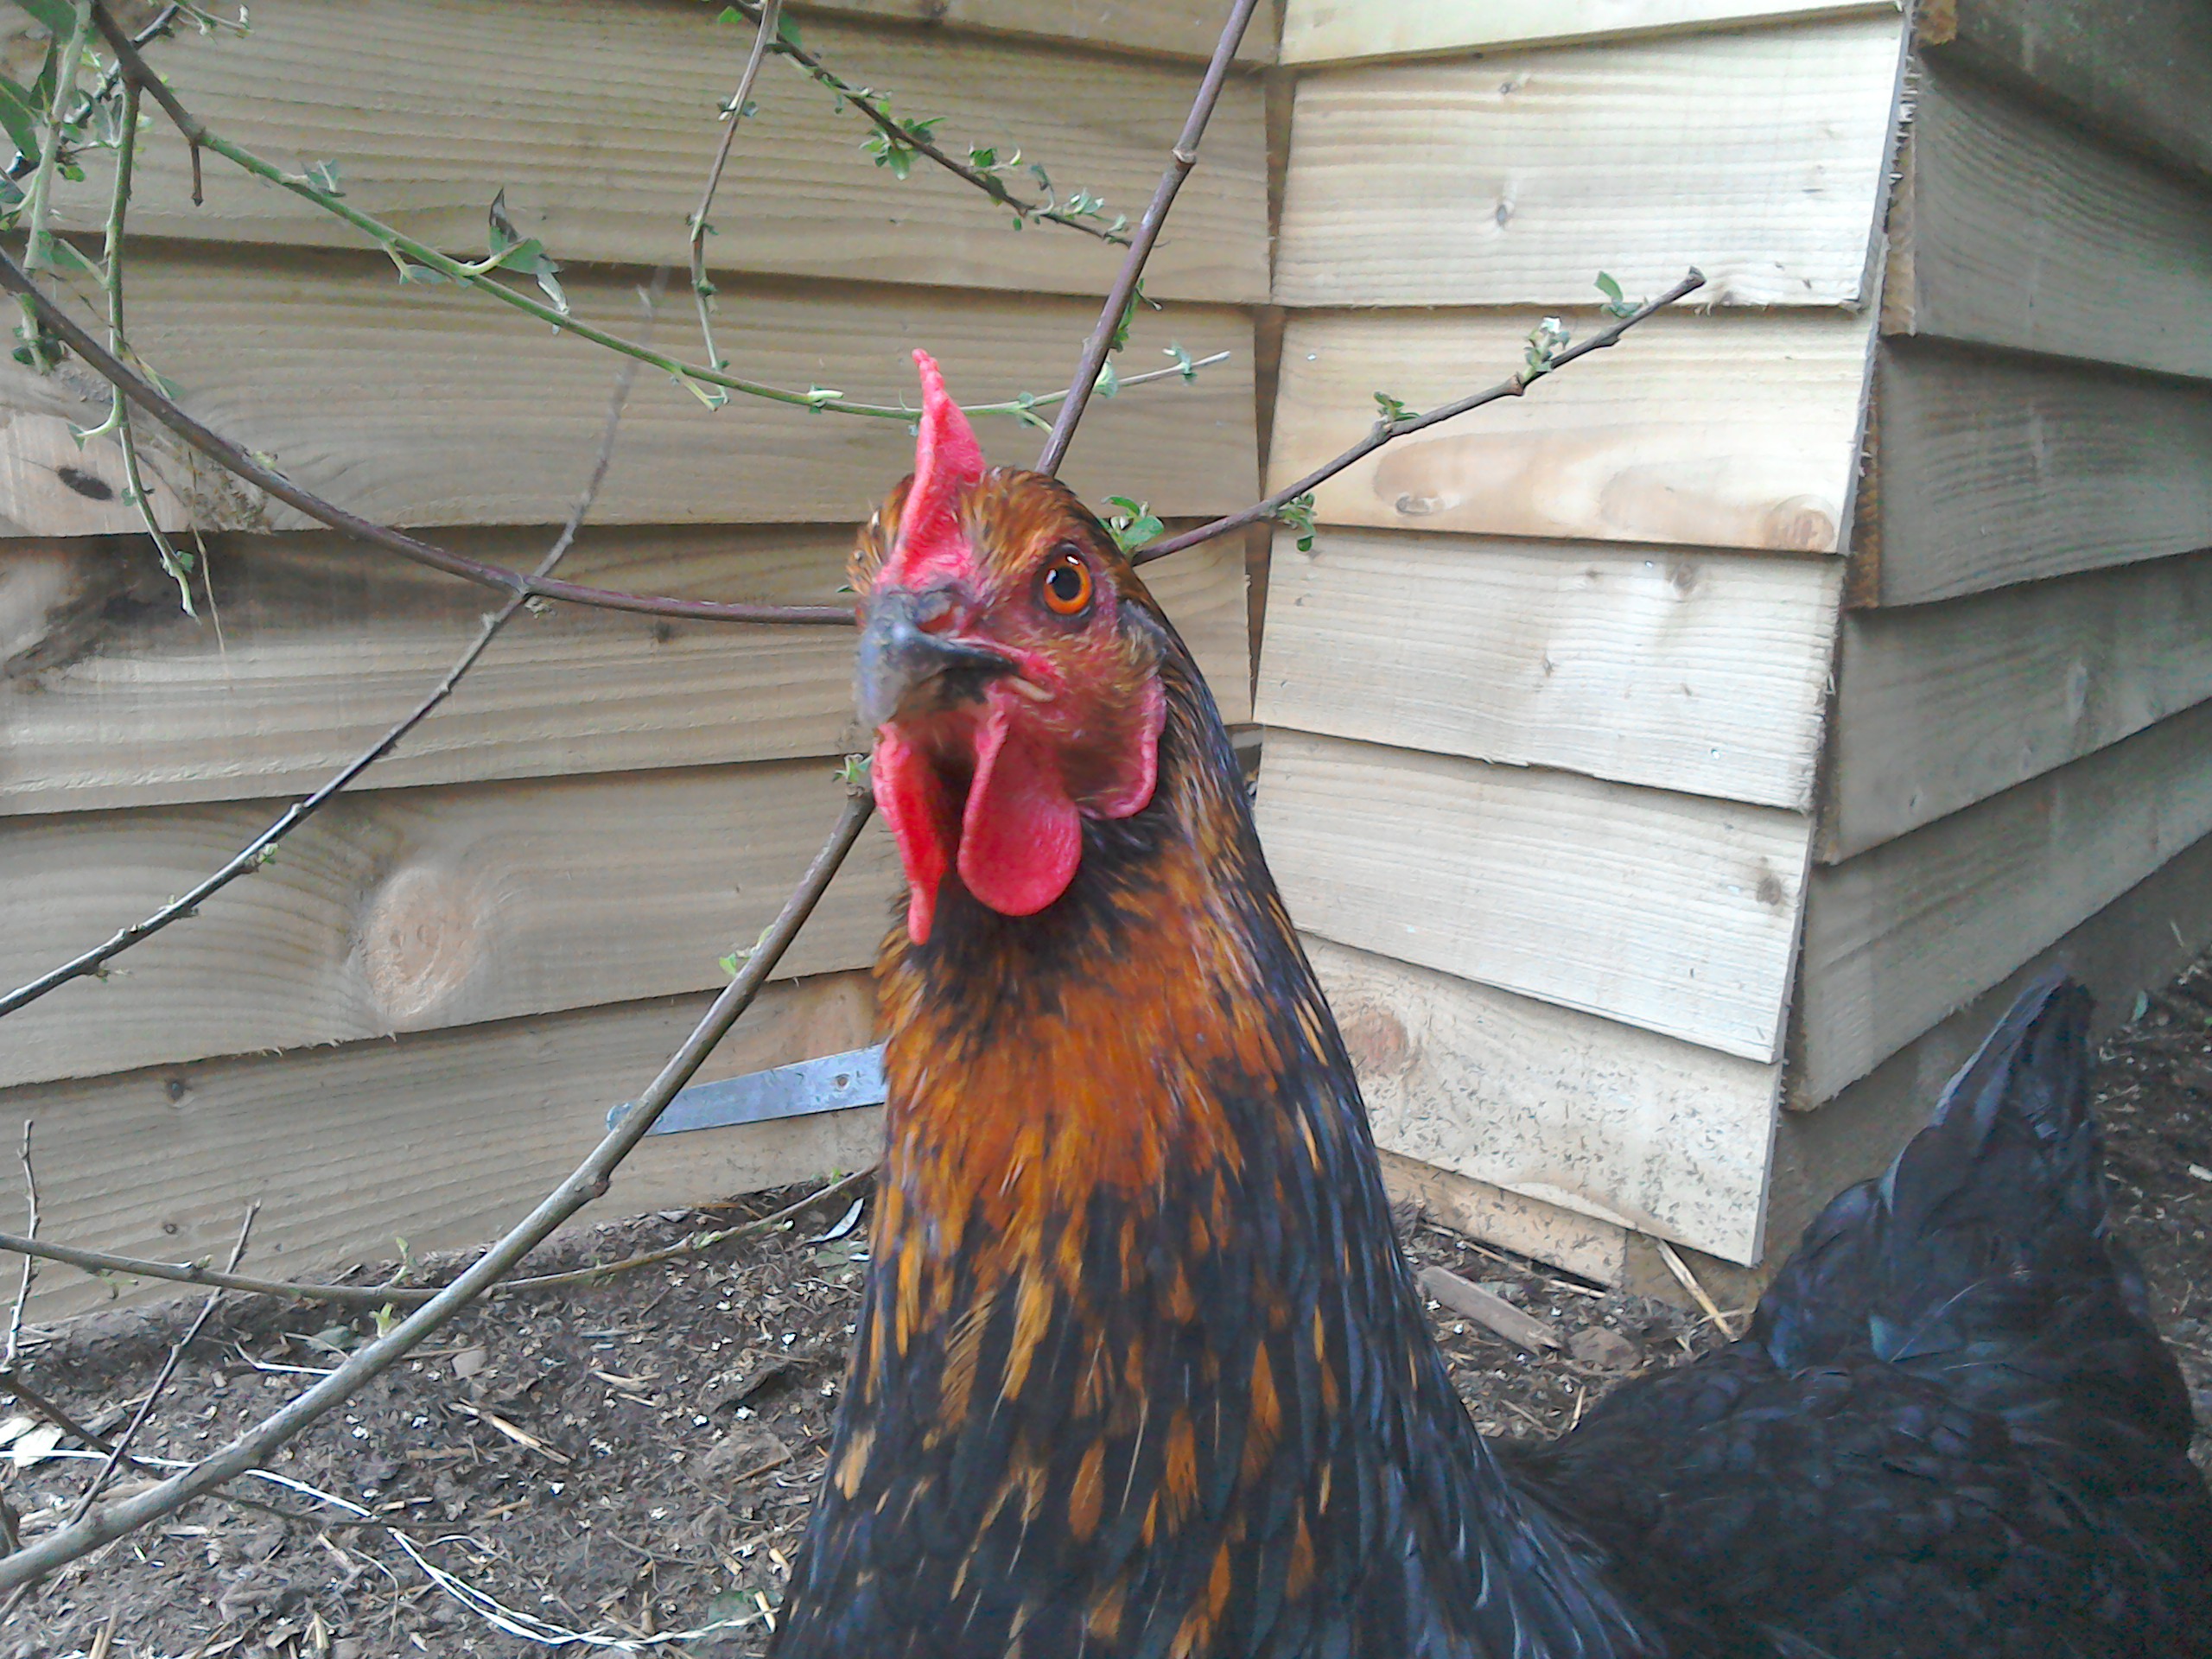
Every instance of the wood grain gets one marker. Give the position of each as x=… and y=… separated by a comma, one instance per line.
x=1940, y=706
x=1173, y=28
x=1596, y=1249
x=1585, y=1113
x=2138, y=72
x=444, y=1139
x=1997, y=469
x=1666, y=912
x=425, y=406
x=1721, y=431
x=1324, y=31
x=2027, y=233
x=1681, y=670
x=406, y=910
x=1757, y=157
x=109, y=696
x=1898, y=938
x=598, y=122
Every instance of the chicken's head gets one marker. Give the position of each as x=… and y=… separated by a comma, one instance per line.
x=1009, y=669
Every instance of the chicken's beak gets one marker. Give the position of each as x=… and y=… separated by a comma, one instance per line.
x=905, y=670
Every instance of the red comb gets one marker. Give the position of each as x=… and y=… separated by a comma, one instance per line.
x=947, y=459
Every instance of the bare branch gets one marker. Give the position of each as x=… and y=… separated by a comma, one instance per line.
x=701, y=289
x=589, y=1180
x=256, y=852
x=372, y=1296
x=1122, y=294
x=24, y=1291
x=1385, y=431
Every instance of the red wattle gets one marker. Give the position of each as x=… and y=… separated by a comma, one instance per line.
x=916, y=804
x=1020, y=836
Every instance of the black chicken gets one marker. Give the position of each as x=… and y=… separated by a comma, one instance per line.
x=1141, y=1372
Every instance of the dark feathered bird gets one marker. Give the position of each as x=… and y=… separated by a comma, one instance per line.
x=1141, y=1372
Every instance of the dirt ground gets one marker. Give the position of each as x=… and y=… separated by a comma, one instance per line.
x=637, y=1460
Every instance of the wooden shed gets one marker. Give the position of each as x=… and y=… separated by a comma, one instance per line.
x=1678, y=768
x=1673, y=769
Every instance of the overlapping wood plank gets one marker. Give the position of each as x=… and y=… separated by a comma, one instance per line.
x=1668, y=911
x=1326, y=31
x=599, y=123
x=407, y=910
x=1940, y=706
x=1679, y=669
x=1995, y=469
x=1715, y=431
x=111, y=697
x=1588, y=1115
x=1756, y=156
x=2024, y=232
x=427, y=406
x=444, y=1139
x=1898, y=938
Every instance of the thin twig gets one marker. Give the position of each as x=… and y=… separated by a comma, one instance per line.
x=106, y=83
x=1122, y=294
x=237, y=461
x=256, y=852
x=1689, y=1281
x=589, y=1181
x=904, y=135
x=121, y=1449
x=22, y=1291
x=371, y=1296
x=483, y=275
x=1385, y=431
x=701, y=290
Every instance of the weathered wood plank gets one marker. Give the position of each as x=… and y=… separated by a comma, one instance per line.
x=1596, y=1249
x=1331, y=31
x=1668, y=911
x=1996, y=469
x=426, y=406
x=2027, y=233
x=1757, y=157
x=1585, y=1114
x=1172, y=28
x=1724, y=431
x=445, y=1139
x=1940, y=706
x=109, y=696
x=2138, y=70
x=1898, y=938
x=598, y=122
x=1689, y=670
x=405, y=910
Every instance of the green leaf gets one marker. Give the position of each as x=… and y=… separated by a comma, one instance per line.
x=1392, y=411
x=1615, y=305
x=62, y=256
x=1609, y=288
x=502, y=229
x=1135, y=525
x=323, y=175
x=1108, y=382
x=1297, y=515
x=57, y=17
x=20, y=119
x=787, y=30
x=423, y=275
x=1183, y=366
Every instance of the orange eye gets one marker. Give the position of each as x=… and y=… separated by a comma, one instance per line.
x=1065, y=585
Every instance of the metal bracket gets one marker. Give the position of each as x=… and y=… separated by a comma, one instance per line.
x=836, y=1082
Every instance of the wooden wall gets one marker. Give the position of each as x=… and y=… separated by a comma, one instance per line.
x=1545, y=700
x=415, y=1017
x=2020, y=734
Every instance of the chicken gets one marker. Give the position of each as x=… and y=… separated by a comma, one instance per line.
x=1141, y=1371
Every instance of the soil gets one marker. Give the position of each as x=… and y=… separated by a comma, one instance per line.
x=638, y=1458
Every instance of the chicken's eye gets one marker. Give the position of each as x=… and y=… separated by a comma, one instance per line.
x=1065, y=585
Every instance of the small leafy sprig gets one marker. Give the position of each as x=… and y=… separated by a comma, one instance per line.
x=1616, y=305
x=1135, y=525
x=1296, y=515
x=1546, y=341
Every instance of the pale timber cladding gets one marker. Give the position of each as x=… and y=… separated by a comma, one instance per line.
x=1675, y=768
x=535, y=892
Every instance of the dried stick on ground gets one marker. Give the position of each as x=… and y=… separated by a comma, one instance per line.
x=187, y=1273
x=255, y=852
x=764, y=30
x=1122, y=294
x=590, y=1181
x=1388, y=431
